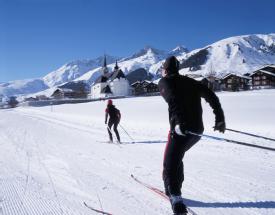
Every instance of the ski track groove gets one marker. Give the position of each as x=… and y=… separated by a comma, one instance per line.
x=34, y=203
x=62, y=122
x=48, y=206
x=48, y=174
x=19, y=203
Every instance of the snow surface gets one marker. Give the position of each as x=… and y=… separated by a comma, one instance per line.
x=54, y=158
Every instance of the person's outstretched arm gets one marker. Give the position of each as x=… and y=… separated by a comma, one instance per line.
x=215, y=104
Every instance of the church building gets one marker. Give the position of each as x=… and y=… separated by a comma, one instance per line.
x=111, y=84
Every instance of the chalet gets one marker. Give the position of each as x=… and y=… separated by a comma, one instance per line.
x=144, y=87
x=264, y=77
x=138, y=89
x=42, y=97
x=110, y=84
x=62, y=93
x=235, y=82
x=72, y=90
x=211, y=82
x=30, y=99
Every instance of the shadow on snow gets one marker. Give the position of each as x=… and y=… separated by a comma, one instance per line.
x=260, y=204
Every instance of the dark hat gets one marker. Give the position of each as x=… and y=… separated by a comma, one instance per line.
x=171, y=65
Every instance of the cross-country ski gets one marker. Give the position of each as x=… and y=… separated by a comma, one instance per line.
x=96, y=210
x=161, y=194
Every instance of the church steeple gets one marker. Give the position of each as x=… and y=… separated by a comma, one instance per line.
x=116, y=66
x=104, y=67
x=104, y=62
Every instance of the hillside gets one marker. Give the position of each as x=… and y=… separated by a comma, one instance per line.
x=239, y=54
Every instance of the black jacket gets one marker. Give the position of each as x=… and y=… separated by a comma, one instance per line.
x=113, y=112
x=183, y=96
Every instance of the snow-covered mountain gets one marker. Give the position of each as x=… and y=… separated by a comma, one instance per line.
x=240, y=54
x=19, y=87
x=66, y=73
x=179, y=50
x=148, y=58
x=74, y=70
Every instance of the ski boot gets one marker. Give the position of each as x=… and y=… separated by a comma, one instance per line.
x=178, y=207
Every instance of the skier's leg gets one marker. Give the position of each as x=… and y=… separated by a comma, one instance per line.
x=191, y=141
x=173, y=174
x=172, y=165
x=188, y=142
x=110, y=124
x=116, y=131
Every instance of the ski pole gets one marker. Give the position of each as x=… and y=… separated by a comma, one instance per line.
x=109, y=129
x=232, y=141
x=127, y=133
x=249, y=134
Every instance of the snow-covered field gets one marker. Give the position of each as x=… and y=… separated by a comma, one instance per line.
x=54, y=159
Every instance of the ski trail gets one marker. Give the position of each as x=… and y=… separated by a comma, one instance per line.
x=23, y=193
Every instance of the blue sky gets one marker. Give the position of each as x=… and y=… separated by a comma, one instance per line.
x=39, y=36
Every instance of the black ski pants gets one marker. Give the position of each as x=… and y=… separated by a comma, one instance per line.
x=173, y=174
x=111, y=123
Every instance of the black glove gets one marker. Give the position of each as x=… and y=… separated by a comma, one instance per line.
x=105, y=122
x=180, y=129
x=220, y=126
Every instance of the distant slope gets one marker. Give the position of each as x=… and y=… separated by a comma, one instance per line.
x=22, y=87
x=74, y=70
x=241, y=54
x=148, y=58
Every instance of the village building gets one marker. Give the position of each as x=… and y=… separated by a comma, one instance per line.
x=145, y=88
x=62, y=93
x=212, y=83
x=235, y=82
x=110, y=84
x=30, y=99
x=264, y=77
x=71, y=90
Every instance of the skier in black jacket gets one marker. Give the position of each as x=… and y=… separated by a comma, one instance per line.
x=114, y=119
x=183, y=96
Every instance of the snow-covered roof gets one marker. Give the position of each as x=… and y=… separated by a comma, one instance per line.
x=263, y=71
x=64, y=89
x=240, y=76
x=199, y=78
x=269, y=65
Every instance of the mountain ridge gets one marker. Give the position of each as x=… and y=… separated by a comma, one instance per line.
x=237, y=54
